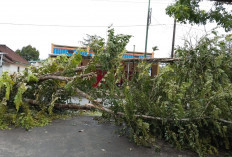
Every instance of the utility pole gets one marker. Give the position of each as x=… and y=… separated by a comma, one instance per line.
x=134, y=51
x=148, y=23
x=173, y=38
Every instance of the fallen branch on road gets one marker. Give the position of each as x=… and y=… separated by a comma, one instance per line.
x=104, y=109
x=62, y=106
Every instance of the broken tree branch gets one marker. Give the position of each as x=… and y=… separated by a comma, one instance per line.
x=154, y=118
x=77, y=69
x=63, y=78
x=85, y=95
x=62, y=106
x=97, y=105
x=101, y=108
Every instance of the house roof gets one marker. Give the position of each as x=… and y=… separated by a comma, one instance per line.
x=71, y=47
x=151, y=60
x=11, y=56
x=136, y=52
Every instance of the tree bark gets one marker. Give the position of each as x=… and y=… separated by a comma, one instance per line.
x=62, y=106
x=101, y=108
x=77, y=69
x=85, y=95
x=63, y=78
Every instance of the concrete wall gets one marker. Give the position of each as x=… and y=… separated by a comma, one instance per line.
x=11, y=68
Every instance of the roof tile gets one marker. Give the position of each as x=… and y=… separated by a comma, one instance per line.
x=11, y=56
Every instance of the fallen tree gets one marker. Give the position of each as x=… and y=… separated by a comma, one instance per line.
x=188, y=104
x=63, y=106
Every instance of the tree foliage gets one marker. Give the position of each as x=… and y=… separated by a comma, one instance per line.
x=155, y=48
x=188, y=104
x=189, y=11
x=29, y=53
x=55, y=82
x=94, y=42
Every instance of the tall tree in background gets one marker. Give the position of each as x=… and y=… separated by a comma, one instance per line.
x=29, y=53
x=190, y=11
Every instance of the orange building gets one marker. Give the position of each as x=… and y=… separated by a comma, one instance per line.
x=130, y=58
x=85, y=51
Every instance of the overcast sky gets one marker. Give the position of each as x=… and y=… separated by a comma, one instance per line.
x=43, y=22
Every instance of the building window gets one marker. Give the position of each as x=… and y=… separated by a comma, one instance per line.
x=18, y=69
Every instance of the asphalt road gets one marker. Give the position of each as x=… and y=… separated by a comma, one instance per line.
x=76, y=137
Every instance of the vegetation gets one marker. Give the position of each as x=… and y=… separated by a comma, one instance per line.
x=190, y=11
x=29, y=53
x=94, y=42
x=155, y=48
x=188, y=104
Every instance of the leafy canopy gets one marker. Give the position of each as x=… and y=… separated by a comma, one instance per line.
x=189, y=11
x=30, y=84
x=189, y=102
x=94, y=42
x=29, y=53
x=191, y=98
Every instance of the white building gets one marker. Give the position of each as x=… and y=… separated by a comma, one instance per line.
x=11, y=61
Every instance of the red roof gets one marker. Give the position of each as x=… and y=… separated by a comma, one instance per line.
x=11, y=56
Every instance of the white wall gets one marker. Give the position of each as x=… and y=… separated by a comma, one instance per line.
x=11, y=68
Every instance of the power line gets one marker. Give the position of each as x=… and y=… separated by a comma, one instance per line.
x=157, y=2
x=45, y=25
x=88, y=26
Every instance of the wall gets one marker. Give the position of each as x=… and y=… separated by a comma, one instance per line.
x=11, y=68
x=69, y=50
